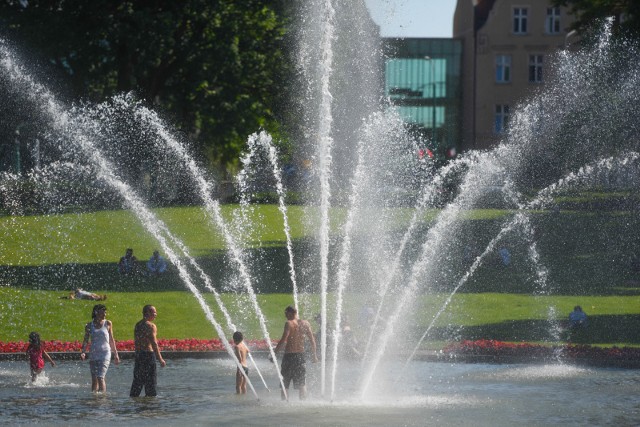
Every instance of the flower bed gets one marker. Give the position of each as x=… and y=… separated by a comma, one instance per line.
x=481, y=348
x=165, y=345
x=528, y=350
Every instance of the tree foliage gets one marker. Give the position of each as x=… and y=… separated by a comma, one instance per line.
x=217, y=68
x=626, y=14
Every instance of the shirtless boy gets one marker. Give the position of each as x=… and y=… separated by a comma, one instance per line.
x=241, y=352
x=293, y=361
x=147, y=352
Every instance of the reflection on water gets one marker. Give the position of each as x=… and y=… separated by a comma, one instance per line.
x=201, y=392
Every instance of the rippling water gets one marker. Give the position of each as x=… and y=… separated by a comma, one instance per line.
x=201, y=392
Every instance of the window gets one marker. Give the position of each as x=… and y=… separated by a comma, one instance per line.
x=501, y=118
x=552, y=24
x=535, y=68
x=503, y=68
x=520, y=20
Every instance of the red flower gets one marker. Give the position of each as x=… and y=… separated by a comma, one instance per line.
x=189, y=344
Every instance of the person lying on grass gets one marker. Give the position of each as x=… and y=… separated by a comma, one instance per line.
x=82, y=294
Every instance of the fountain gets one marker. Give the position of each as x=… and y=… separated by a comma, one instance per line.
x=579, y=133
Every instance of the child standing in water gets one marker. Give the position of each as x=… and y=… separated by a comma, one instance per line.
x=36, y=354
x=241, y=352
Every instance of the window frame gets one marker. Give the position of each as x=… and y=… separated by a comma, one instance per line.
x=501, y=118
x=520, y=20
x=503, y=68
x=552, y=20
x=536, y=68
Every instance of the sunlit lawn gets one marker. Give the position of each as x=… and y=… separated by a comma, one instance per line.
x=43, y=257
x=614, y=320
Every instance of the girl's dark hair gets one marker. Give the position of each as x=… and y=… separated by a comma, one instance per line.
x=34, y=339
x=97, y=308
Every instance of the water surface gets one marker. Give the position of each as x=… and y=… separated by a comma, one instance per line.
x=201, y=392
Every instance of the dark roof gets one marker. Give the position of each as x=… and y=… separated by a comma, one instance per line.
x=481, y=13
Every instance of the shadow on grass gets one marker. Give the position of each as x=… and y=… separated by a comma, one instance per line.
x=268, y=266
x=91, y=277
x=272, y=263
x=603, y=329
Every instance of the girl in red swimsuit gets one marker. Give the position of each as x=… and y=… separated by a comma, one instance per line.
x=36, y=354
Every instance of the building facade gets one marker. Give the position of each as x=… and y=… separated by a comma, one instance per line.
x=423, y=83
x=507, y=47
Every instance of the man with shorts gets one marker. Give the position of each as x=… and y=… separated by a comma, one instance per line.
x=147, y=352
x=293, y=361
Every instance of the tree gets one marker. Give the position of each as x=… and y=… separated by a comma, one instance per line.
x=217, y=69
x=626, y=13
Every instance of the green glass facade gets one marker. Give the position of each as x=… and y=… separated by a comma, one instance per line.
x=423, y=82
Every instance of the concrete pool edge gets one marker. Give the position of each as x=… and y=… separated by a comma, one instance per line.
x=426, y=356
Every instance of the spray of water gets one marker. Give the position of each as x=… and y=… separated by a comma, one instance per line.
x=76, y=129
x=560, y=127
x=264, y=142
x=213, y=209
x=426, y=200
x=436, y=236
x=325, y=142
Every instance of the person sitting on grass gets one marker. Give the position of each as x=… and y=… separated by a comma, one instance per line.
x=128, y=264
x=156, y=264
x=577, y=318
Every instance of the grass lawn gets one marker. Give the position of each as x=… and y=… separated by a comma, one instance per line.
x=179, y=314
x=587, y=254
x=614, y=320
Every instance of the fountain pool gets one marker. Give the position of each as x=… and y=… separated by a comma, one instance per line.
x=435, y=394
